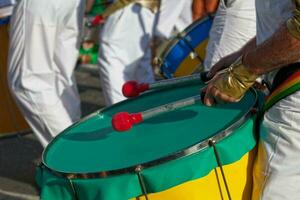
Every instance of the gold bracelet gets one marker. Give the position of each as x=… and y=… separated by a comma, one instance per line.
x=236, y=80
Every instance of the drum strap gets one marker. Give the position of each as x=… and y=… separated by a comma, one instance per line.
x=286, y=82
x=153, y=5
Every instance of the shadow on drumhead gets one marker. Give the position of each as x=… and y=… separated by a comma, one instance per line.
x=174, y=116
x=98, y=134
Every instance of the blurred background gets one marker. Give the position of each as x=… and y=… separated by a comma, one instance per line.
x=20, y=151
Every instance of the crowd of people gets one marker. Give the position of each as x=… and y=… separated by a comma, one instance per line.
x=254, y=40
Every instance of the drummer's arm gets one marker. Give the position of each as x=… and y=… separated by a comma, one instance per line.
x=229, y=59
x=278, y=51
x=281, y=49
x=198, y=9
x=211, y=6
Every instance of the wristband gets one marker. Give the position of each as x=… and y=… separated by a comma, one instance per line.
x=236, y=80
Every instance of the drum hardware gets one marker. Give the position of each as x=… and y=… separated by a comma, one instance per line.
x=213, y=144
x=138, y=171
x=157, y=61
x=193, y=53
x=160, y=44
x=219, y=183
x=73, y=189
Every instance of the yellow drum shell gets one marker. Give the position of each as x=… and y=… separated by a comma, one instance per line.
x=212, y=187
x=11, y=120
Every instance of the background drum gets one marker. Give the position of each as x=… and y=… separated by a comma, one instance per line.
x=171, y=155
x=185, y=53
x=11, y=120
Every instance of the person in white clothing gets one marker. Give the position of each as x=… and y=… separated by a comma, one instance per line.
x=44, y=42
x=275, y=53
x=233, y=26
x=125, y=40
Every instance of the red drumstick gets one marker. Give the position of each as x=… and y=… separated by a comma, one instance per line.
x=133, y=89
x=124, y=121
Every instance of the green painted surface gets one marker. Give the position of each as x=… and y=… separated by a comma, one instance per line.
x=92, y=145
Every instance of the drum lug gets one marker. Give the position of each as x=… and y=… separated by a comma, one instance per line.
x=138, y=169
x=193, y=55
x=157, y=61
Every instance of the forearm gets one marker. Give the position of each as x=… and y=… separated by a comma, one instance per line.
x=278, y=51
x=198, y=9
x=211, y=5
x=281, y=49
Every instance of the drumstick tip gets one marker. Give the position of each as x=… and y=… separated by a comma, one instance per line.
x=123, y=121
x=97, y=20
x=133, y=89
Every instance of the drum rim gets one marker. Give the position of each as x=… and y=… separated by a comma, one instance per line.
x=176, y=155
x=176, y=39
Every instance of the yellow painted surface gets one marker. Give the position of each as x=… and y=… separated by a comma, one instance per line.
x=11, y=120
x=238, y=176
x=189, y=65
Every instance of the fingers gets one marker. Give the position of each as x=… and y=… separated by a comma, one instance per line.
x=213, y=96
x=209, y=99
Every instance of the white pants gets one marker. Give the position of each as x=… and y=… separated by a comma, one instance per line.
x=124, y=52
x=233, y=26
x=43, y=53
x=277, y=168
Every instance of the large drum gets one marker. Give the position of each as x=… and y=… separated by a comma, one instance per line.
x=174, y=155
x=185, y=53
x=11, y=120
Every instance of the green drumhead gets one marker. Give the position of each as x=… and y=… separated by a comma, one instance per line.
x=91, y=145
